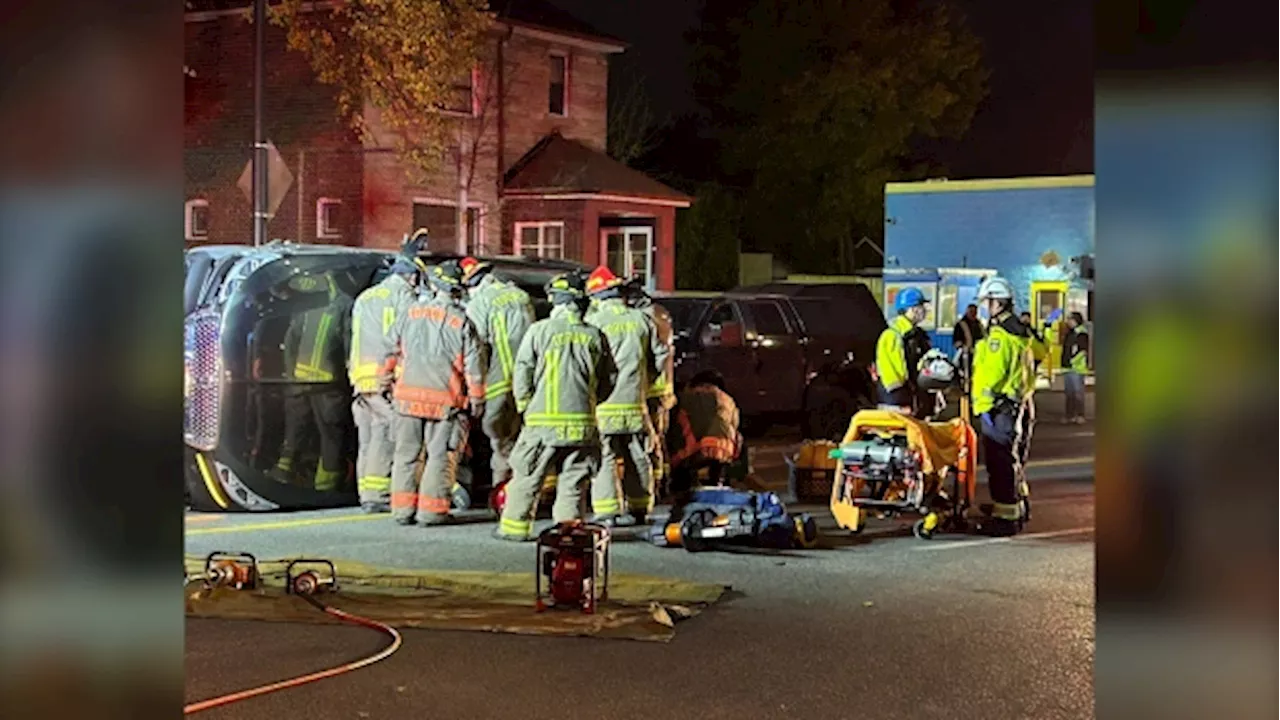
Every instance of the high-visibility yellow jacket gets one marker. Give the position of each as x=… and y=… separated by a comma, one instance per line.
x=891, y=354
x=315, y=344
x=502, y=313
x=372, y=318
x=563, y=369
x=439, y=365
x=1003, y=366
x=637, y=352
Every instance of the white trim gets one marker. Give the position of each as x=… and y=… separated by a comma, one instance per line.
x=480, y=208
x=568, y=73
x=651, y=250
x=188, y=214
x=541, y=225
x=606, y=198
x=323, y=231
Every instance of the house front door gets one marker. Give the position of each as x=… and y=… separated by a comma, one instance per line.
x=628, y=251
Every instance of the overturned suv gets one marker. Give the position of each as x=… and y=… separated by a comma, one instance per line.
x=267, y=406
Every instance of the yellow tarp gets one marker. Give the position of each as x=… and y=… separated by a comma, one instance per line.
x=639, y=607
x=941, y=442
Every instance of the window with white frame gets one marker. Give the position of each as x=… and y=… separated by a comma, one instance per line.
x=540, y=239
x=462, y=98
x=558, y=88
x=328, y=218
x=197, y=219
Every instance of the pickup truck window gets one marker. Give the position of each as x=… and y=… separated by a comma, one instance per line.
x=768, y=318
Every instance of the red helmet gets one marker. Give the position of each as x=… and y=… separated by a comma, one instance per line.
x=473, y=270
x=601, y=279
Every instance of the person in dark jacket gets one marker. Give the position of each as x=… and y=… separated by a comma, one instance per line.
x=968, y=330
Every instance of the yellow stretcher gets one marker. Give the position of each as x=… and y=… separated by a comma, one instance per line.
x=895, y=464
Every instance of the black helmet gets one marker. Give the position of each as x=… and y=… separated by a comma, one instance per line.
x=567, y=288
x=446, y=277
x=709, y=377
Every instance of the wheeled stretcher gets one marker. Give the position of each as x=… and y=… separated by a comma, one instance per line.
x=896, y=464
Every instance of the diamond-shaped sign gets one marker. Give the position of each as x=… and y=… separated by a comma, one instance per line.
x=279, y=179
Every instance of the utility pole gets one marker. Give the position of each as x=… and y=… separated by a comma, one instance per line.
x=259, y=142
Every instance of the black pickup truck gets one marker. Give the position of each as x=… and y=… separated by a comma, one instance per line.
x=785, y=357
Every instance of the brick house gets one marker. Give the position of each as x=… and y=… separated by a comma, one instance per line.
x=531, y=168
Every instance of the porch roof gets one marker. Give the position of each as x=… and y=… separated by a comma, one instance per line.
x=560, y=168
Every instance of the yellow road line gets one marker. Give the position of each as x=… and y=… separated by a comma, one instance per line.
x=285, y=524
x=1051, y=462
x=202, y=518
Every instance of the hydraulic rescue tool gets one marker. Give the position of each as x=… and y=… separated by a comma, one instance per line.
x=233, y=570
x=573, y=563
x=312, y=581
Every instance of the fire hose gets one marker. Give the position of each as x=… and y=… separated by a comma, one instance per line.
x=306, y=585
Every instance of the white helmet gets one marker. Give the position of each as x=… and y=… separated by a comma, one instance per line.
x=995, y=288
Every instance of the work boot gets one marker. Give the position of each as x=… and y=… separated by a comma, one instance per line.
x=373, y=508
x=434, y=519
x=460, y=497
x=499, y=535
x=405, y=521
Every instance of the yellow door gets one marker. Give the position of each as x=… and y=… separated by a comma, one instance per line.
x=1048, y=296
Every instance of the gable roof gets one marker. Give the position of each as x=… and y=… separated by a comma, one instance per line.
x=557, y=165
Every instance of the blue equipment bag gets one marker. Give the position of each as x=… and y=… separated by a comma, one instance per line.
x=723, y=515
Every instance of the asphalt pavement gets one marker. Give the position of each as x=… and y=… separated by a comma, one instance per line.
x=880, y=625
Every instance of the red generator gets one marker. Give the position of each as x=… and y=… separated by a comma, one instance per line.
x=573, y=566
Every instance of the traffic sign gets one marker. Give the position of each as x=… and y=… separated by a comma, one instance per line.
x=279, y=179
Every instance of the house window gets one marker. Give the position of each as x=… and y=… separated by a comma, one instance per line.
x=462, y=95
x=441, y=221
x=197, y=219
x=328, y=218
x=540, y=239
x=558, y=103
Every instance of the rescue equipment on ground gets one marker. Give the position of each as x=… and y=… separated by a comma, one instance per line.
x=236, y=570
x=721, y=515
x=572, y=566
x=811, y=471
x=239, y=571
x=546, y=496
x=895, y=464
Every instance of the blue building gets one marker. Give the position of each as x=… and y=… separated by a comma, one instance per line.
x=1030, y=231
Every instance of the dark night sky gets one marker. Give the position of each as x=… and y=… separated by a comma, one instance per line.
x=1038, y=116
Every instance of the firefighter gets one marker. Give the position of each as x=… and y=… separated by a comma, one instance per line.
x=316, y=356
x=705, y=435
x=502, y=314
x=898, y=351
x=440, y=370
x=563, y=369
x=1003, y=380
x=372, y=319
x=662, y=395
x=625, y=429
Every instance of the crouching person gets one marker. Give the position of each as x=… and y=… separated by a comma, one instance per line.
x=704, y=442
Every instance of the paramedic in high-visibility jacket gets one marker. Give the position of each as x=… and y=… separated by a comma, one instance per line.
x=623, y=417
x=1002, y=386
x=440, y=369
x=502, y=314
x=662, y=393
x=898, y=351
x=563, y=371
x=372, y=319
x=315, y=350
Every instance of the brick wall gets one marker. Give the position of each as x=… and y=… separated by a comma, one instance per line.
x=299, y=117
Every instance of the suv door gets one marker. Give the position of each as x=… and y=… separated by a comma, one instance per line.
x=721, y=343
x=778, y=356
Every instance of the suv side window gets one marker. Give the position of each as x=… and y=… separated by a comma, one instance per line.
x=768, y=318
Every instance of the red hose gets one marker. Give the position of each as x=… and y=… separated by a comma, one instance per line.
x=304, y=679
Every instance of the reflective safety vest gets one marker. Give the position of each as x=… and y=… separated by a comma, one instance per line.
x=316, y=342
x=637, y=353
x=891, y=354
x=705, y=424
x=1075, y=352
x=663, y=386
x=502, y=314
x=440, y=364
x=562, y=369
x=372, y=318
x=1003, y=366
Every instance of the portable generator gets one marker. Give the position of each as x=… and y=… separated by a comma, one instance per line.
x=573, y=566
x=238, y=570
x=322, y=576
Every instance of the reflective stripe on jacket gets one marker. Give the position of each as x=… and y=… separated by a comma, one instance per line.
x=1002, y=364
x=664, y=385
x=637, y=353
x=316, y=342
x=1075, y=352
x=705, y=424
x=440, y=364
x=372, y=318
x=502, y=314
x=562, y=369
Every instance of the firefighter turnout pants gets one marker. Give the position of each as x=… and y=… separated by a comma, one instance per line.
x=624, y=466
x=322, y=409
x=501, y=424
x=1001, y=448
x=374, y=417
x=532, y=459
x=421, y=486
x=660, y=415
